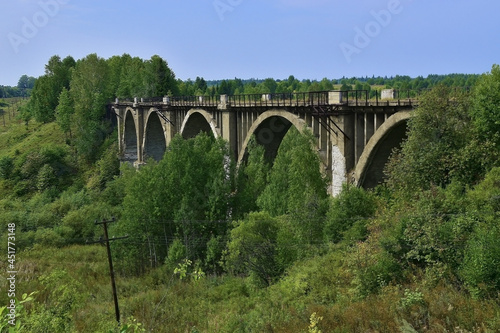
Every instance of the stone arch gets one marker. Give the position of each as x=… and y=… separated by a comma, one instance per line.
x=130, y=139
x=369, y=169
x=269, y=129
x=155, y=143
x=196, y=121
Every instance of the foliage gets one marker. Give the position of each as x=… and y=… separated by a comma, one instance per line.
x=296, y=187
x=439, y=131
x=252, y=179
x=12, y=317
x=90, y=93
x=203, y=175
x=480, y=270
x=315, y=320
x=372, y=267
x=62, y=296
x=64, y=111
x=350, y=209
x=6, y=167
x=48, y=87
x=486, y=105
x=252, y=248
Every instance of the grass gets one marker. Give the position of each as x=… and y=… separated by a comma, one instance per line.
x=163, y=303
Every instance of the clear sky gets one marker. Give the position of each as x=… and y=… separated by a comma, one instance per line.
x=224, y=39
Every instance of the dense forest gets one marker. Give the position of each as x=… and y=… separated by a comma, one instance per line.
x=259, y=248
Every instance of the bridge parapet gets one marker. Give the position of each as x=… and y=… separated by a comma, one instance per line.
x=340, y=98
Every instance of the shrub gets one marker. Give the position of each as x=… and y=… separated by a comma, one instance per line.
x=480, y=270
x=252, y=248
x=176, y=253
x=350, y=209
x=6, y=167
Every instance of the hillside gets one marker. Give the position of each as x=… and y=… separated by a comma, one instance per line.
x=259, y=249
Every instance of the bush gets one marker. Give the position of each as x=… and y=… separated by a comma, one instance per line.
x=480, y=270
x=252, y=248
x=176, y=253
x=6, y=167
x=373, y=269
x=48, y=237
x=350, y=209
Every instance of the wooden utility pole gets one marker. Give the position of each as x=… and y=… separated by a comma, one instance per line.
x=111, y=272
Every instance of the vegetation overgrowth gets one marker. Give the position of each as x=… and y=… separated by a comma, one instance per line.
x=258, y=249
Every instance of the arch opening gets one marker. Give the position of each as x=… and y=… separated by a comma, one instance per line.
x=155, y=144
x=270, y=134
x=130, y=139
x=196, y=123
x=371, y=172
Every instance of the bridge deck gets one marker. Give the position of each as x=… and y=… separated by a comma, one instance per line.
x=332, y=99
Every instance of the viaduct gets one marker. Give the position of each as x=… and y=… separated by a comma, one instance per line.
x=355, y=134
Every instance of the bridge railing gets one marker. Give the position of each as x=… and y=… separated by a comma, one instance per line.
x=279, y=99
x=194, y=100
x=386, y=97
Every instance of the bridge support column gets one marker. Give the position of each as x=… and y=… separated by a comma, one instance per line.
x=369, y=127
x=230, y=131
x=140, y=135
x=169, y=127
x=379, y=120
x=359, y=135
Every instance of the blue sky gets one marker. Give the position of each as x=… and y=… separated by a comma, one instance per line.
x=222, y=39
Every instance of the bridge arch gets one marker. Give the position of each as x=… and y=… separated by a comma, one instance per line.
x=196, y=121
x=269, y=130
x=369, y=169
x=130, y=139
x=155, y=142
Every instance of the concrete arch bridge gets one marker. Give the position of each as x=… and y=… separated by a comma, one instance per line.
x=355, y=134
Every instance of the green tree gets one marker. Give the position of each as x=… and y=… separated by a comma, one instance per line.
x=486, y=105
x=202, y=174
x=200, y=85
x=252, y=248
x=159, y=79
x=90, y=94
x=43, y=101
x=64, y=111
x=26, y=82
x=252, y=179
x=439, y=131
x=348, y=213
x=48, y=87
x=296, y=187
x=130, y=75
